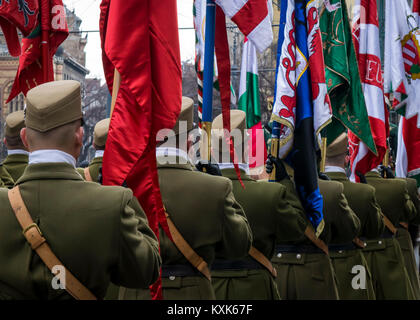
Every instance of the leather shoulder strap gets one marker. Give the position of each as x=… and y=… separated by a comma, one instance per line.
x=38, y=243
x=261, y=258
x=186, y=250
x=389, y=224
x=310, y=234
x=88, y=177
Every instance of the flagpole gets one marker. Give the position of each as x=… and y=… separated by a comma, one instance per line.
x=207, y=114
x=45, y=47
x=115, y=88
x=275, y=140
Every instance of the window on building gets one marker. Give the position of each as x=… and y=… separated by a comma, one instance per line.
x=17, y=103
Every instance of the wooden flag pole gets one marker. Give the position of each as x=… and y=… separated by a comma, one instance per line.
x=323, y=154
x=115, y=89
x=275, y=141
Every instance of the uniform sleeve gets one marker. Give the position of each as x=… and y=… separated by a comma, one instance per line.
x=139, y=260
x=374, y=222
x=414, y=196
x=290, y=224
x=409, y=208
x=346, y=221
x=236, y=232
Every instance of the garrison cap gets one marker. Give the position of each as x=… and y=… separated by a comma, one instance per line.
x=338, y=146
x=15, y=121
x=53, y=104
x=186, y=114
x=100, y=133
x=237, y=121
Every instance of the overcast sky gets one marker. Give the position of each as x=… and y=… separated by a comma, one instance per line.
x=88, y=11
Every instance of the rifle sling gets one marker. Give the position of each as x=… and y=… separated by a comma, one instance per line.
x=39, y=244
x=186, y=250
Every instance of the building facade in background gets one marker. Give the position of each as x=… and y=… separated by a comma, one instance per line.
x=69, y=64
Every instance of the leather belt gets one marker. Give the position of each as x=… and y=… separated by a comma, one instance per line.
x=342, y=247
x=297, y=249
x=179, y=270
x=219, y=264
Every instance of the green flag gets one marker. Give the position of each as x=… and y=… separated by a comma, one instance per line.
x=342, y=75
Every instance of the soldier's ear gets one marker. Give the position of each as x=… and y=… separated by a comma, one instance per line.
x=5, y=142
x=24, y=138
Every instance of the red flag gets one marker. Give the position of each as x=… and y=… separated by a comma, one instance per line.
x=22, y=15
x=30, y=71
x=140, y=40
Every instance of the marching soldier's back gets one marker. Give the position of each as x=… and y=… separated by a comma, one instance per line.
x=208, y=217
x=91, y=235
x=99, y=234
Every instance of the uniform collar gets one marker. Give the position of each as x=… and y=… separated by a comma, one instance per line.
x=96, y=160
x=340, y=176
x=51, y=156
x=17, y=151
x=227, y=165
x=99, y=153
x=228, y=171
x=50, y=171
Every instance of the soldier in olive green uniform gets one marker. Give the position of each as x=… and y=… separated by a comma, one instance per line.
x=100, y=234
x=361, y=198
x=205, y=212
x=100, y=133
x=269, y=214
x=17, y=154
x=387, y=263
x=6, y=180
x=304, y=270
x=405, y=239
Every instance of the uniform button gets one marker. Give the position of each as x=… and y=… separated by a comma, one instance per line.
x=278, y=255
x=380, y=242
x=365, y=244
x=298, y=256
x=171, y=277
x=340, y=251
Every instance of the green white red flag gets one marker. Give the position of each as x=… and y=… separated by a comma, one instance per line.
x=366, y=40
x=408, y=153
x=249, y=102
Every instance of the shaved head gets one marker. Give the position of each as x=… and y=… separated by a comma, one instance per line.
x=67, y=138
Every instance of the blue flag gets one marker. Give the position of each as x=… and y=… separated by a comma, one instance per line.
x=301, y=104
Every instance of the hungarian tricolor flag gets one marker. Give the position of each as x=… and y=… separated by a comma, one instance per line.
x=366, y=38
x=199, y=13
x=30, y=72
x=17, y=15
x=253, y=19
x=408, y=153
x=249, y=101
x=140, y=40
x=302, y=105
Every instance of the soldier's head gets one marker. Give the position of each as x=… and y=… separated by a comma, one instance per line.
x=53, y=118
x=180, y=136
x=220, y=148
x=337, y=152
x=15, y=122
x=100, y=133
